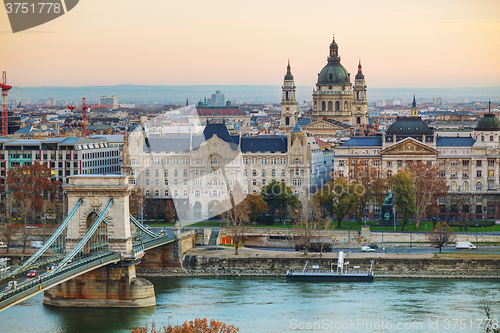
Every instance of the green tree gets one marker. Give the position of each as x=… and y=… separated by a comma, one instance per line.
x=279, y=198
x=405, y=198
x=340, y=197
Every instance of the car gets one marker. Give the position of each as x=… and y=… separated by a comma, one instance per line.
x=32, y=273
x=51, y=266
x=11, y=285
x=147, y=226
x=373, y=246
x=367, y=248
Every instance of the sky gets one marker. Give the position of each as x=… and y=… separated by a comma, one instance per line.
x=425, y=43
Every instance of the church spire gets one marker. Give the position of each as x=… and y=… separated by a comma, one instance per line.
x=414, y=109
x=288, y=75
x=334, y=52
x=360, y=75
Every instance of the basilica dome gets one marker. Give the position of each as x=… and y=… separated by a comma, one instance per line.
x=334, y=73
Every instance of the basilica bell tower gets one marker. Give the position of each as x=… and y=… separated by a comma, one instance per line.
x=288, y=102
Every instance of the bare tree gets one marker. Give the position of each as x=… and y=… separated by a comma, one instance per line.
x=237, y=216
x=317, y=220
x=441, y=235
x=490, y=326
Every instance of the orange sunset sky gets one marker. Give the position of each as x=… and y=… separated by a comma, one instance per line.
x=424, y=43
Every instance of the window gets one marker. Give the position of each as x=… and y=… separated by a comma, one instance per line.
x=297, y=182
x=453, y=186
x=263, y=173
x=157, y=173
x=273, y=161
x=465, y=163
x=479, y=209
x=283, y=161
x=157, y=182
x=479, y=187
x=273, y=172
x=400, y=163
x=147, y=182
x=215, y=160
x=147, y=173
x=282, y=173
x=376, y=163
x=147, y=193
x=263, y=182
x=185, y=161
x=166, y=193
x=491, y=173
x=341, y=163
x=297, y=161
x=176, y=194
x=157, y=194
x=376, y=209
x=166, y=182
x=196, y=194
x=264, y=161
x=245, y=173
x=479, y=199
x=175, y=173
x=175, y=182
x=254, y=161
x=185, y=193
x=254, y=182
x=166, y=173
x=491, y=137
x=491, y=209
x=176, y=161
x=389, y=163
x=442, y=174
x=453, y=163
x=478, y=173
x=185, y=173
x=465, y=174
x=185, y=182
x=491, y=163
x=197, y=162
x=157, y=161
x=491, y=185
x=254, y=173
x=197, y=182
x=478, y=163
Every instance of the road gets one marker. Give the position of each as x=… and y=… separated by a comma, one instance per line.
x=488, y=249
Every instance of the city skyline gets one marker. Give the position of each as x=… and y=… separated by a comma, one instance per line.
x=427, y=44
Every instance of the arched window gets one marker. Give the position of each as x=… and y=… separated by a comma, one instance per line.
x=273, y=173
x=330, y=106
x=453, y=186
x=323, y=106
x=358, y=95
x=465, y=186
x=479, y=187
x=358, y=120
x=287, y=95
x=337, y=106
x=214, y=160
x=297, y=161
x=263, y=173
x=491, y=137
x=254, y=173
x=482, y=137
x=287, y=121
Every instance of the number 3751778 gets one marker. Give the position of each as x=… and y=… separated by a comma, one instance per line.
x=35, y=8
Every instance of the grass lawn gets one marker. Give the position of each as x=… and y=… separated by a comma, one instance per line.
x=352, y=225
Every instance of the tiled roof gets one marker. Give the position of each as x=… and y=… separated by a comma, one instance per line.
x=220, y=112
x=444, y=141
x=270, y=143
x=363, y=141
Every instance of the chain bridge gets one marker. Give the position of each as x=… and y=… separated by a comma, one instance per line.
x=94, y=252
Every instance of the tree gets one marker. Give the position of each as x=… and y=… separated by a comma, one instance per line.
x=256, y=205
x=194, y=326
x=32, y=190
x=429, y=187
x=433, y=213
x=340, y=198
x=404, y=189
x=237, y=216
x=279, y=198
x=373, y=182
x=136, y=201
x=316, y=219
x=441, y=235
x=169, y=212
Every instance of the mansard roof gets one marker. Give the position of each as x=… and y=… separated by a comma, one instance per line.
x=444, y=141
x=271, y=143
x=363, y=141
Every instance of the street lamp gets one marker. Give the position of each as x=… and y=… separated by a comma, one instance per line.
x=410, y=236
x=477, y=225
x=349, y=231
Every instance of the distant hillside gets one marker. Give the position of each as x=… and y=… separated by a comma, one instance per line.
x=247, y=94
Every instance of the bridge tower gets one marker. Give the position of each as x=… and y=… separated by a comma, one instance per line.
x=112, y=285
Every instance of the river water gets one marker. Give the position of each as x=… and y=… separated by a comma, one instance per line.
x=277, y=305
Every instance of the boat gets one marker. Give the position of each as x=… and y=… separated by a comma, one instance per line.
x=340, y=274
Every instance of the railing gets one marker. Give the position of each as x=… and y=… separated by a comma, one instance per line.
x=326, y=272
x=143, y=228
x=46, y=281
x=157, y=241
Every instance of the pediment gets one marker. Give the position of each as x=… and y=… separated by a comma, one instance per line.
x=409, y=146
x=322, y=124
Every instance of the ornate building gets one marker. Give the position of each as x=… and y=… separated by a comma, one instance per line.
x=469, y=164
x=197, y=171
x=288, y=102
x=334, y=97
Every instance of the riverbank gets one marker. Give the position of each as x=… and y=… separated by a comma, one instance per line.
x=222, y=262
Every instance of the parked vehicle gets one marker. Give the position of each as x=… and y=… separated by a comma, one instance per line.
x=373, y=246
x=464, y=245
x=32, y=273
x=2, y=245
x=366, y=248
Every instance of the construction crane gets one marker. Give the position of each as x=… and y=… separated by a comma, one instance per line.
x=84, y=109
x=5, y=110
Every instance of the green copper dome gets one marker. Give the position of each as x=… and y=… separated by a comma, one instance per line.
x=334, y=73
x=488, y=123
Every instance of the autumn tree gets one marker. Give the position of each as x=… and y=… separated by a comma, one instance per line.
x=441, y=235
x=279, y=198
x=373, y=182
x=433, y=213
x=429, y=187
x=404, y=189
x=136, y=201
x=169, y=211
x=315, y=220
x=194, y=326
x=256, y=205
x=32, y=191
x=340, y=197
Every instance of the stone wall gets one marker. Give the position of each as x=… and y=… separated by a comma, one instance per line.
x=169, y=255
x=109, y=286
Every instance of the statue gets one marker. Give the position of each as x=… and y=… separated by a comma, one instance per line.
x=388, y=199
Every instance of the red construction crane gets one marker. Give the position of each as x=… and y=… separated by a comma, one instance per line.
x=84, y=109
x=5, y=110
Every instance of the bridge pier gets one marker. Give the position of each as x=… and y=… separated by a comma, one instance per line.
x=108, y=286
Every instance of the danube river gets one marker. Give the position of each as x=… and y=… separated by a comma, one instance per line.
x=277, y=305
